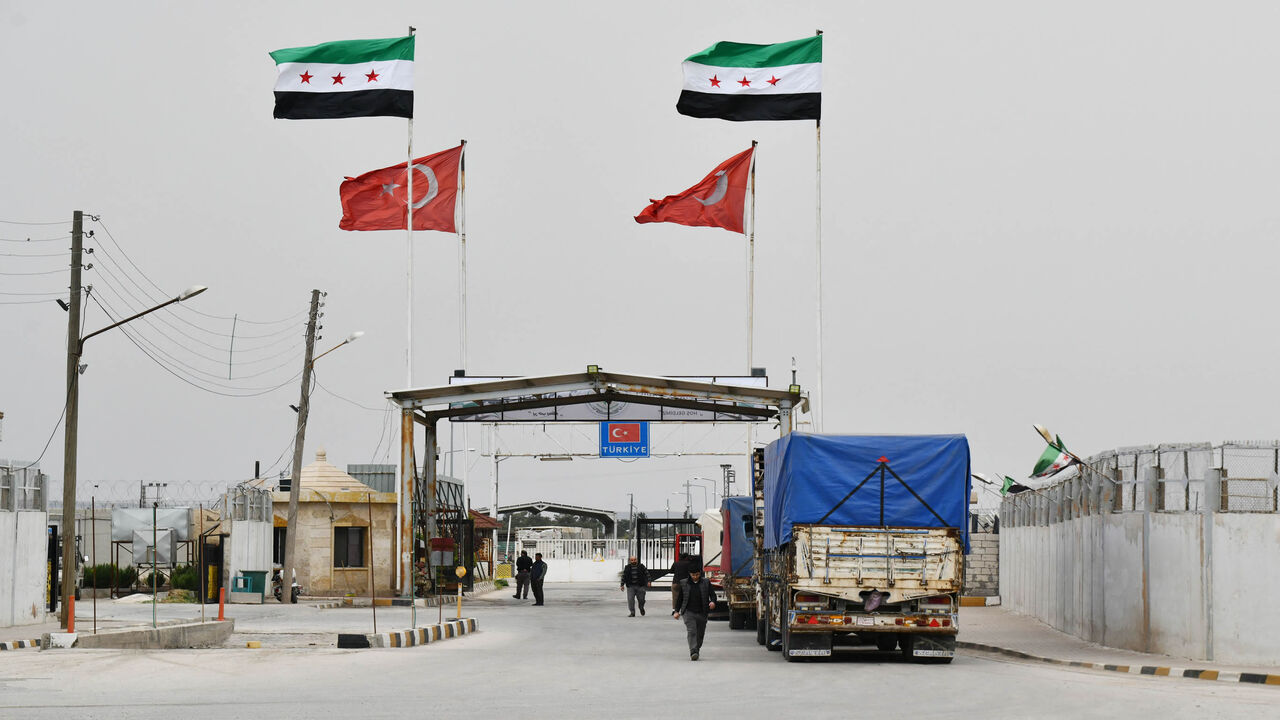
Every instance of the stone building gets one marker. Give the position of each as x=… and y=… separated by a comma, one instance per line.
x=346, y=532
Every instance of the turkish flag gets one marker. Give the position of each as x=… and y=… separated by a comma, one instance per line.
x=624, y=432
x=377, y=200
x=717, y=201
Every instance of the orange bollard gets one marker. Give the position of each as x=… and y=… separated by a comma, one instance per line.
x=71, y=613
x=222, y=599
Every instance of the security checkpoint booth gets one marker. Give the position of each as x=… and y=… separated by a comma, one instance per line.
x=591, y=396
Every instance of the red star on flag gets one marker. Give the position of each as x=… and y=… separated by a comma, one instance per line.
x=773, y=80
x=715, y=81
x=744, y=81
x=306, y=77
x=337, y=79
x=372, y=76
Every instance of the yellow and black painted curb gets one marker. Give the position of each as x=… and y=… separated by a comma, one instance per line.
x=411, y=638
x=19, y=644
x=1153, y=670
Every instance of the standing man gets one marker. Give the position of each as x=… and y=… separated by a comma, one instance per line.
x=523, y=563
x=635, y=580
x=537, y=573
x=679, y=573
x=697, y=601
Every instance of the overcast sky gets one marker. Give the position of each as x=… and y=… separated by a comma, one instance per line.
x=1062, y=215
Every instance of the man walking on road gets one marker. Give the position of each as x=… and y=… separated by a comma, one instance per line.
x=537, y=573
x=680, y=573
x=635, y=580
x=696, y=602
x=523, y=563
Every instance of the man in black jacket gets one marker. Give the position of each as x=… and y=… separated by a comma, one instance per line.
x=635, y=580
x=679, y=573
x=537, y=573
x=697, y=600
x=523, y=563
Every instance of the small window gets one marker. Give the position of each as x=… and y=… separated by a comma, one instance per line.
x=348, y=547
x=277, y=545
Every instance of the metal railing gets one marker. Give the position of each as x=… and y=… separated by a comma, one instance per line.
x=22, y=487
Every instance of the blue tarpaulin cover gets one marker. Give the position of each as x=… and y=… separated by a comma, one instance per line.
x=869, y=480
x=738, y=512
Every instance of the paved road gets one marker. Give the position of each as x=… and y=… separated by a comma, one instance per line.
x=577, y=657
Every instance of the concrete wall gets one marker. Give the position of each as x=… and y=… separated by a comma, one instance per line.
x=982, y=565
x=1192, y=585
x=23, y=566
x=583, y=570
x=247, y=548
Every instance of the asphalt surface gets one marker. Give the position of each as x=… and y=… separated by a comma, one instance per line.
x=579, y=656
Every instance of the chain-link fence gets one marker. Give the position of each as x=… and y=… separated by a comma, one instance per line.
x=1238, y=477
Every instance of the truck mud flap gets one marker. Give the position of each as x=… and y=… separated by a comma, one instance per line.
x=923, y=647
x=805, y=645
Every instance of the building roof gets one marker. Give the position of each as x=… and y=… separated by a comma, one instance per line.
x=325, y=477
x=484, y=522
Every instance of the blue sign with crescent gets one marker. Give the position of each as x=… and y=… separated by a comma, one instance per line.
x=624, y=439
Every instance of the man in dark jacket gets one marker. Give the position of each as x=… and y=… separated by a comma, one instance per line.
x=697, y=600
x=635, y=580
x=537, y=573
x=523, y=563
x=679, y=572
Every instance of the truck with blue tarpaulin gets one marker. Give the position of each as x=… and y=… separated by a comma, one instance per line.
x=863, y=543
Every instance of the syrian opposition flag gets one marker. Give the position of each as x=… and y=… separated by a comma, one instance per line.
x=377, y=200
x=348, y=78
x=736, y=81
x=718, y=201
x=1054, y=460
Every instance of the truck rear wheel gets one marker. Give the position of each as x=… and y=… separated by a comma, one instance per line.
x=886, y=642
x=737, y=619
x=760, y=625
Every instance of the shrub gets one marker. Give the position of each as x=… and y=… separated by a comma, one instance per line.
x=155, y=579
x=186, y=577
x=101, y=576
x=500, y=583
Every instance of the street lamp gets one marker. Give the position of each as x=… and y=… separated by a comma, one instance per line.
x=713, y=489
x=75, y=349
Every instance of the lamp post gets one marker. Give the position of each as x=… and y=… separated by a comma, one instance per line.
x=295, y=481
x=75, y=349
x=713, y=490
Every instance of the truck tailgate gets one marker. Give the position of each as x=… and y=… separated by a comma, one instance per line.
x=843, y=561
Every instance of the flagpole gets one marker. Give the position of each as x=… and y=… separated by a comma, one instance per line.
x=817, y=390
x=751, y=294
x=409, y=250
x=462, y=319
x=402, y=502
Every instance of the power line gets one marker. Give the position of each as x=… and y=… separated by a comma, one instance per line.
x=196, y=385
x=20, y=222
x=98, y=219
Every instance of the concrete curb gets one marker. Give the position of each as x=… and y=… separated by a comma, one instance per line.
x=1153, y=670
x=19, y=644
x=327, y=605
x=410, y=638
x=173, y=635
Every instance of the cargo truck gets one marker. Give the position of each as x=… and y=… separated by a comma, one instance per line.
x=863, y=544
x=738, y=561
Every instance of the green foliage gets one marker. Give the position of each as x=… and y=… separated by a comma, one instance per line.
x=100, y=576
x=179, y=596
x=155, y=579
x=186, y=577
x=500, y=583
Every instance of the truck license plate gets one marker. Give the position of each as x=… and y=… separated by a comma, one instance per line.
x=804, y=652
x=866, y=621
x=933, y=653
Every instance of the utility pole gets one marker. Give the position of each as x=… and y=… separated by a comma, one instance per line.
x=69, y=435
x=304, y=405
x=729, y=475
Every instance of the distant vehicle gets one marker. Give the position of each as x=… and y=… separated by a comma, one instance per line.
x=737, y=561
x=863, y=544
